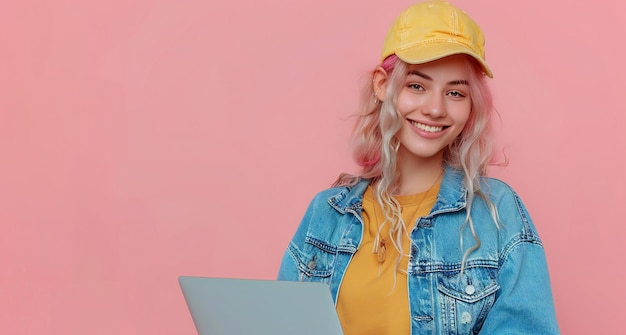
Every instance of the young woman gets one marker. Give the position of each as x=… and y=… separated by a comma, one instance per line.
x=421, y=241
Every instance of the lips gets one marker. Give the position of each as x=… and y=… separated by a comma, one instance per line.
x=427, y=128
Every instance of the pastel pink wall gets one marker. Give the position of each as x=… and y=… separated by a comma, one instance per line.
x=142, y=140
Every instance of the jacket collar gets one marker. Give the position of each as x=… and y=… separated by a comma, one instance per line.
x=452, y=194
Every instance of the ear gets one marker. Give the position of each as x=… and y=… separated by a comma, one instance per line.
x=379, y=83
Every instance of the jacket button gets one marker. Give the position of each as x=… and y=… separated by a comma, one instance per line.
x=311, y=265
x=470, y=289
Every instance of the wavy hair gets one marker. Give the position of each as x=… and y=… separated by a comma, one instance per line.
x=374, y=144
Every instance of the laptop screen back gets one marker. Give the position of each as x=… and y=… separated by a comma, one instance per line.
x=245, y=306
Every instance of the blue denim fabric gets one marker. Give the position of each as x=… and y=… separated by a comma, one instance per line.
x=504, y=288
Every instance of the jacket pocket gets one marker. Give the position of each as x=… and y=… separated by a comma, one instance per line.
x=315, y=261
x=466, y=298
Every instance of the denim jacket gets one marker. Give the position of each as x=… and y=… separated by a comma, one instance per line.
x=503, y=289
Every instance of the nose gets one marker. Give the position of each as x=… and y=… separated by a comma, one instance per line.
x=435, y=106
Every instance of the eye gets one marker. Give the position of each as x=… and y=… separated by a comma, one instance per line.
x=416, y=87
x=456, y=94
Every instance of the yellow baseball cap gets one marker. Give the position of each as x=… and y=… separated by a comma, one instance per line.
x=431, y=30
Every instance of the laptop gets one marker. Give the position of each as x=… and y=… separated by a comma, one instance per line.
x=223, y=306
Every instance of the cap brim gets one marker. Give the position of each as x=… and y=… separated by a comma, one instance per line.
x=423, y=54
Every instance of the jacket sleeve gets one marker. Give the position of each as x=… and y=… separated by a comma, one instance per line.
x=289, y=267
x=524, y=303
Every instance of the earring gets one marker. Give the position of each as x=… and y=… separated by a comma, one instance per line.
x=396, y=146
x=376, y=100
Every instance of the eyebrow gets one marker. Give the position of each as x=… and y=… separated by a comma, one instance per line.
x=427, y=77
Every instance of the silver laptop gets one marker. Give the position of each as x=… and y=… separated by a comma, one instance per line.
x=221, y=306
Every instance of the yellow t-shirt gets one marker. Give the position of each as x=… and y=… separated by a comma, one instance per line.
x=368, y=303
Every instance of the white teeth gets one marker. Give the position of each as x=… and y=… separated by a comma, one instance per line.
x=424, y=127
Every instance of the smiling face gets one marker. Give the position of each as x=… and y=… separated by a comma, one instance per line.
x=434, y=102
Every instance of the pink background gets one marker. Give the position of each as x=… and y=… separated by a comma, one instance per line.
x=142, y=140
